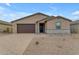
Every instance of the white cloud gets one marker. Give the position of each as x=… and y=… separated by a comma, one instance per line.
x=75, y=18
x=8, y=4
x=2, y=8
x=34, y=9
x=17, y=15
x=75, y=12
x=53, y=8
x=13, y=16
x=9, y=15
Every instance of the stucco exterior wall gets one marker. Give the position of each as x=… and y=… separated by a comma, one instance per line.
x=51, y=26
x=74, y=28
x=4, y=28
x=29, y=20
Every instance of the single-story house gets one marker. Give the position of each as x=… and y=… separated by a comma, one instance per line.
x=41, y=23
x=5, y=26
x=75, y=26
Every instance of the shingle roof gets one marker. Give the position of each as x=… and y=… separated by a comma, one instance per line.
x=53, y=17
x=30, y=16
x=75, y=22
x=64, y=18
x=44, y=19
x=48, y=17
x=4, y=22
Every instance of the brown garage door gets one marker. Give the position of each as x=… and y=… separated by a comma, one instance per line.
x=25, y=28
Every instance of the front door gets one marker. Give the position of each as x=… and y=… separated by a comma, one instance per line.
x=42, y=27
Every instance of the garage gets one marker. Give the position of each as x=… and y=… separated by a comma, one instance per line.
x=25, y=28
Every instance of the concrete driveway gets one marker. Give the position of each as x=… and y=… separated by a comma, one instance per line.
x=14, y=43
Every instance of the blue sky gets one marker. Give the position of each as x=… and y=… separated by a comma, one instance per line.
x=13, y=11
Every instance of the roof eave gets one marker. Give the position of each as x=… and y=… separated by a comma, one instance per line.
x=28, y=16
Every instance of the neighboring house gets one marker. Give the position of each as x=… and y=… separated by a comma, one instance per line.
x=75, y=27
x=5, y=26
x=41, y=23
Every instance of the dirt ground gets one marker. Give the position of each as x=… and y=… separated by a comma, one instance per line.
x=18, y=44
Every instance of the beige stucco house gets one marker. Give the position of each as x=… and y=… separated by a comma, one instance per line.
x=41, y=23
x=5, y=26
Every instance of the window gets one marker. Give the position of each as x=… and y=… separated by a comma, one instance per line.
x=58, y=25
